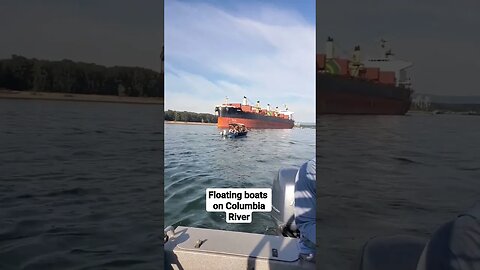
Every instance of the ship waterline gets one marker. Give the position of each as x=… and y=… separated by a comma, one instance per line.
x=337, y=95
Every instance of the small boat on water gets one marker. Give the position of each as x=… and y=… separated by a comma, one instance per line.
x=235, y=130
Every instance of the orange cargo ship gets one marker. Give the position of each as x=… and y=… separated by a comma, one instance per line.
x=253, y=116
x=352, y=86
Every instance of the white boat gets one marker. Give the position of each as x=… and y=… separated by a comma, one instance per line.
x=189, y=248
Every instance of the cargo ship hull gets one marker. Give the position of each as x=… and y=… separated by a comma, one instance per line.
x=251, y=120
x=346, y=95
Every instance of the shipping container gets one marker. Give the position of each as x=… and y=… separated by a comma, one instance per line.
x=342, y=65
x=337, y=66
x=387, y=77
x=362, y=74
x=372, y=74
x=235, y=105
x=246, y=108
x=321, y=59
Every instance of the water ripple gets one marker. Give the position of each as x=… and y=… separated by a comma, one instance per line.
x=196, y=158
x=80, y=185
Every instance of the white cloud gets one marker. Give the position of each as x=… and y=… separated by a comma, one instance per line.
x=211, y=54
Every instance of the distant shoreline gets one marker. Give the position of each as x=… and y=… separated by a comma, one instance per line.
x=190, y=123
x=12, y=94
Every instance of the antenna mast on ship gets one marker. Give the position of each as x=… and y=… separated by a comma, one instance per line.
x=387, y=51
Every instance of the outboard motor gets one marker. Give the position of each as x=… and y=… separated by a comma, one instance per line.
x=283, y=198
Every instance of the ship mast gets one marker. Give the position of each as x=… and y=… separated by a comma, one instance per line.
x=387, y=51
x=356, y=65
x=329, y=49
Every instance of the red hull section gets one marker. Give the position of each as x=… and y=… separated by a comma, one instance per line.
x=343, y=95
x=338, y=103
x=223, y=122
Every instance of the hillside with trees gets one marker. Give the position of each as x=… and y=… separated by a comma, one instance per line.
x=66, y=76
x=190, y=117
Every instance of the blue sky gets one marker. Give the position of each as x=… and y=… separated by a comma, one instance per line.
x=264, y=50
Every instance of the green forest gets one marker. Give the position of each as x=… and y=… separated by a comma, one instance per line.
x=190, y=117
x=66, y=76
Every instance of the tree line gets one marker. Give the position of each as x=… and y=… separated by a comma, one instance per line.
x=66, y=76
x=190, y=117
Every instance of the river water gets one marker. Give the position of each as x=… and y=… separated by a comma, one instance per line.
x=389, y=175
x=197, y=157
x=80, y=185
